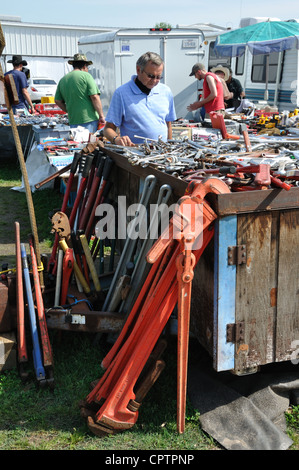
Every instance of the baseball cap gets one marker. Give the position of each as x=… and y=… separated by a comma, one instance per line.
x=195, y=68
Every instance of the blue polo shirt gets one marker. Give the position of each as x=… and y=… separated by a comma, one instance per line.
x=136, y=113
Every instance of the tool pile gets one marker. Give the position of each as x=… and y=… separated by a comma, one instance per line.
x=154, y=276
x=42, y=355
x=133, y=364
x=245, y=163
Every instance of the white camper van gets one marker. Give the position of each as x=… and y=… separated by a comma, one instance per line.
x=251, y=71
x=114, y=57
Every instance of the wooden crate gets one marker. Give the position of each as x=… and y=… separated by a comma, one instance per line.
x=247, y=314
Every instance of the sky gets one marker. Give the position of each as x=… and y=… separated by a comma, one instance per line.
x=135, y=14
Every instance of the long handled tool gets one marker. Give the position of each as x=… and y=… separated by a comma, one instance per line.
x=23, y=168
x=86, y=164
x=92, y=194
x=92, y=174
x=22, y=349
x=106, y=173
x=68, y=265
x=60, y=224
x=90, y=263
x=131, y=241
x=52, y=261
x=139, y=271
x=37, y=358
x=43, y=329
x=114, y=391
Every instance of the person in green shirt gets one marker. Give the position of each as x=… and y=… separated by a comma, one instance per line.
x=78, y=95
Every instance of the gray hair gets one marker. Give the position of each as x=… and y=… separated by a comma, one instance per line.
x=149, y=57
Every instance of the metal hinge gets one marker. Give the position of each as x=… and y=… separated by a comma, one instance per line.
x=236, y=254
x=235, y=332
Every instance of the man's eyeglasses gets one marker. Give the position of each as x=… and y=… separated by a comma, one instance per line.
x=152, y=77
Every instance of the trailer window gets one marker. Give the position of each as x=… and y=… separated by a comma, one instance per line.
x=214, y=59
x=240, y=61
x=258, y=71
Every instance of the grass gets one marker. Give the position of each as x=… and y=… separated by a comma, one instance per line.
x=41, y=419
x=32, y=418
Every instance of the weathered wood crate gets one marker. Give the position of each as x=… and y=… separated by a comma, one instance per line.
x=245, y=302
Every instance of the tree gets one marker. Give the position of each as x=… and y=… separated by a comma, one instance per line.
x=163, y=24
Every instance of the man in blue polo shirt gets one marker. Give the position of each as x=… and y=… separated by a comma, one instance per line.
x=143, y=106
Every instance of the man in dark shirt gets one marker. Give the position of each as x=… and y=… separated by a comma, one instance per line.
x=235, y=87
x=21, y=84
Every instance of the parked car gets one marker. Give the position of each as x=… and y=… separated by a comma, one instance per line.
x=41, y=86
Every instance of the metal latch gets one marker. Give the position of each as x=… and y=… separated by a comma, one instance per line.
x=235, y=332
x=236, y=254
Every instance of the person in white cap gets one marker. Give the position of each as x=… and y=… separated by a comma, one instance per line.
x=78, y=95
x=21, y=84
x=223, y=73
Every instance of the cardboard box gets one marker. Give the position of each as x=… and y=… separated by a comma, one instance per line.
x=5, y=320
x=47, y=99
x=8, y=354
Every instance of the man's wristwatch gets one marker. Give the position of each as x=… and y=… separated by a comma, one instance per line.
x=114, y=138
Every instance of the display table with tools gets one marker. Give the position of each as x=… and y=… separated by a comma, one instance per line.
x=7, y=143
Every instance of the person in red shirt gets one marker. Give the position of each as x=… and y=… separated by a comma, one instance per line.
x=212, y=90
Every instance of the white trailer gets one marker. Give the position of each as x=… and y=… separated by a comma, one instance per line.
x=251, y=71
x=114, y=56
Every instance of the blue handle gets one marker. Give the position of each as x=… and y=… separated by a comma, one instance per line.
x=37, y=359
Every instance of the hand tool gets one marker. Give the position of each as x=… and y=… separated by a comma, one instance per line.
x=92, y=193
x=43, y=330
x=130, y=244
x=106, y=173
x=86, y=162
x=52, y=177
x=22, y=349
x=58, y=278
x=76, y=268
x=80, y=256
x=185, y=262
x=68, y=265
x=265, y=178
x=90, y=263
x=93, y=167
x=156, y=271
x=217, y=120
x=140, y=271
x=60, y=224
x=52, y=261
x=244, y=131
x=37, y=359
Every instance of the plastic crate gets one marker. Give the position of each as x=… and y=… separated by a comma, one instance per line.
x=47, y=99
x=42, y=133
x=48, y=109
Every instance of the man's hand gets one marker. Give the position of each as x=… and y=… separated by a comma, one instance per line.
x=193, y=106
x=124, y=140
